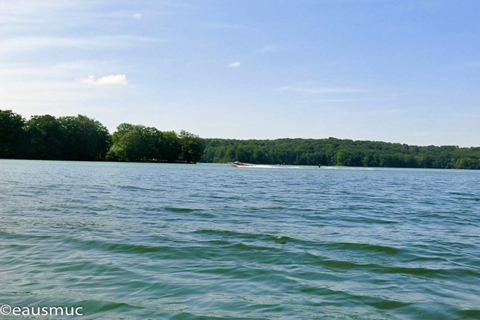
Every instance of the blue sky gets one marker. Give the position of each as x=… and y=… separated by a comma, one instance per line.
x=384, y=70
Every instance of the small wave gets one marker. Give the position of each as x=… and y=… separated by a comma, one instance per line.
x=126, y=248
x=164, y=251
x=265, y=238
x=102, y=307
x=339, y=264
x=435, y=273
x=364, y=247
x=380, y=269
x=384, y=304
x=456, y=193
x=468, y=314
x=176, y=209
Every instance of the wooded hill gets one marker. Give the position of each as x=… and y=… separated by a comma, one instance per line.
x=338, y=152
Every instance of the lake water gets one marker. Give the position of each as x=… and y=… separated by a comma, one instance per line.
x=167, y=241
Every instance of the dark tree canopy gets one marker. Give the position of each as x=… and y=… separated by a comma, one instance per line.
x=49, y=138
x=81, y=138
x=45, y=135
x=11, y=134
x=135, y=143
x=84, y=138
x=191, y=146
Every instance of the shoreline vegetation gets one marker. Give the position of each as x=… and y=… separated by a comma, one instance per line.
x=340, y=152
x=81, y=138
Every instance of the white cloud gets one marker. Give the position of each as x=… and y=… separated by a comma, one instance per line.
x=234, y=64
x=107, y=80
x=137, y=16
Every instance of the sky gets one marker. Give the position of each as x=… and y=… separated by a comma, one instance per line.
x=384, y=70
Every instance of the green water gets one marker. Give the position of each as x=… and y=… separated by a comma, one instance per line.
x=166, y=241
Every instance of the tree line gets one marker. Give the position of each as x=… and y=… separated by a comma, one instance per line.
x=80, y=138
x=340, y=152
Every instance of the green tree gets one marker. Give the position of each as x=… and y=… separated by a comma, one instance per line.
x=139, y=143
x=44, y=135
x=11, y=134
x=467, y=163
x=130, y=143
x=170, y=146
x=84, y=139
x=191, y=146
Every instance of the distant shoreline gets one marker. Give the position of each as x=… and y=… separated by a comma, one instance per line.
x=84, y=139
x=340, y=152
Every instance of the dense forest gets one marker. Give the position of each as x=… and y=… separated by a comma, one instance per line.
x=337, y=152
x=81, y=138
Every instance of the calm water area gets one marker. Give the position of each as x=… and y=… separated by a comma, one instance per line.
x=210, y=241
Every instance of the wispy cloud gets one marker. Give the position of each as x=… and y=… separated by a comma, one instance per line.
x=29, y=15
x=137, y=16
x=119, y=79
x=22, y=7
x=234, y=64
x=269, y=48
x=34, y=43
x=312, y=89
x=221, y=25
x=335, y=100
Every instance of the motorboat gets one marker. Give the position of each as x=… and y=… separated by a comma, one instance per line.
x=240, y=164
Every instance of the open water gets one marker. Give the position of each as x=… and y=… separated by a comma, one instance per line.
x=166, y=241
